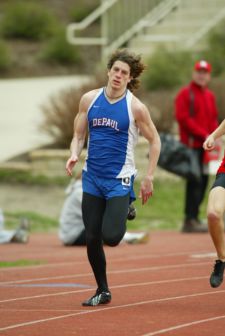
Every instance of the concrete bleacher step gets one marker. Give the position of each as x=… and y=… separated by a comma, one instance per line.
x=180, y=25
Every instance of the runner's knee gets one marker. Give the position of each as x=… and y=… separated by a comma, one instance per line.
x=112, y=239
x=214, y=216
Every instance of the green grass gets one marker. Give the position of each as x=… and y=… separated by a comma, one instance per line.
x=13, y=176
x=163, y=211
x=21, y=263
x=38, y=222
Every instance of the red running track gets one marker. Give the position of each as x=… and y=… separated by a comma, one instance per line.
x=159, y=288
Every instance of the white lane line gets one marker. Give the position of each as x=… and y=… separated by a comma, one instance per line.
x=41, y=310
x=141, y=256
x=203, y=255
x=131, y=270
x=45, y=295
x=163, y=331
x=112, y=287
x=96, y=310
x=44, y=265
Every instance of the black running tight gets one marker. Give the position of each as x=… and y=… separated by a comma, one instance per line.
x=104, y=221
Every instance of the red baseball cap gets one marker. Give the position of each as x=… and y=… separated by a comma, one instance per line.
x=203, y=65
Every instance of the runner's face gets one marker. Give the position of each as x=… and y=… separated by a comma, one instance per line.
x=201, y=77
x=119, y=76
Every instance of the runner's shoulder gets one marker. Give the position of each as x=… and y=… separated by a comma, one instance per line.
x=88, y=97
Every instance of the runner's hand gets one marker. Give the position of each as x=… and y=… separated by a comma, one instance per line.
x=70, y=164
x=209, y=143
x=146, y=190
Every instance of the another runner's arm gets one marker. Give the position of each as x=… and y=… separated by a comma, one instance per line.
x=210, y=141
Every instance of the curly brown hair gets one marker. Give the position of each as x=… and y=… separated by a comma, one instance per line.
x=134, y=62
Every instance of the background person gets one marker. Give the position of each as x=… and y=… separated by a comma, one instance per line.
x=198, y=100
x=216, y=209
x=114, y=117
x=19, y=235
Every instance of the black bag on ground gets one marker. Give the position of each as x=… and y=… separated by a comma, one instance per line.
x=177, y=158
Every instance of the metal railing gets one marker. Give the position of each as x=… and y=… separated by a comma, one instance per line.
x=140, y=18
x=124, y=14
x=121, y=19
x=73, y=27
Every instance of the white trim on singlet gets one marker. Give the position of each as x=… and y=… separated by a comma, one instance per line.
x=128, y=168
x=94, y=99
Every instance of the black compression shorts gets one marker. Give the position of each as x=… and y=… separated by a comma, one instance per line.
x=219, y=181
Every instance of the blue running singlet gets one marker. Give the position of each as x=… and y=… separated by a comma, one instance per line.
x=112, y=137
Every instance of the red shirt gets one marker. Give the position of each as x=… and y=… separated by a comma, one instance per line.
x=194, y=129
x=222, y=167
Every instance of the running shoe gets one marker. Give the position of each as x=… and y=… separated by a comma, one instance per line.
x=100, y=297
x=194, y=226
x=216, y=277
x=131, y=212
x=20, y=236
x=138, y=238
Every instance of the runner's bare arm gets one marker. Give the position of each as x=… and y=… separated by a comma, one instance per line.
x=210, y=141
x=80, y=130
